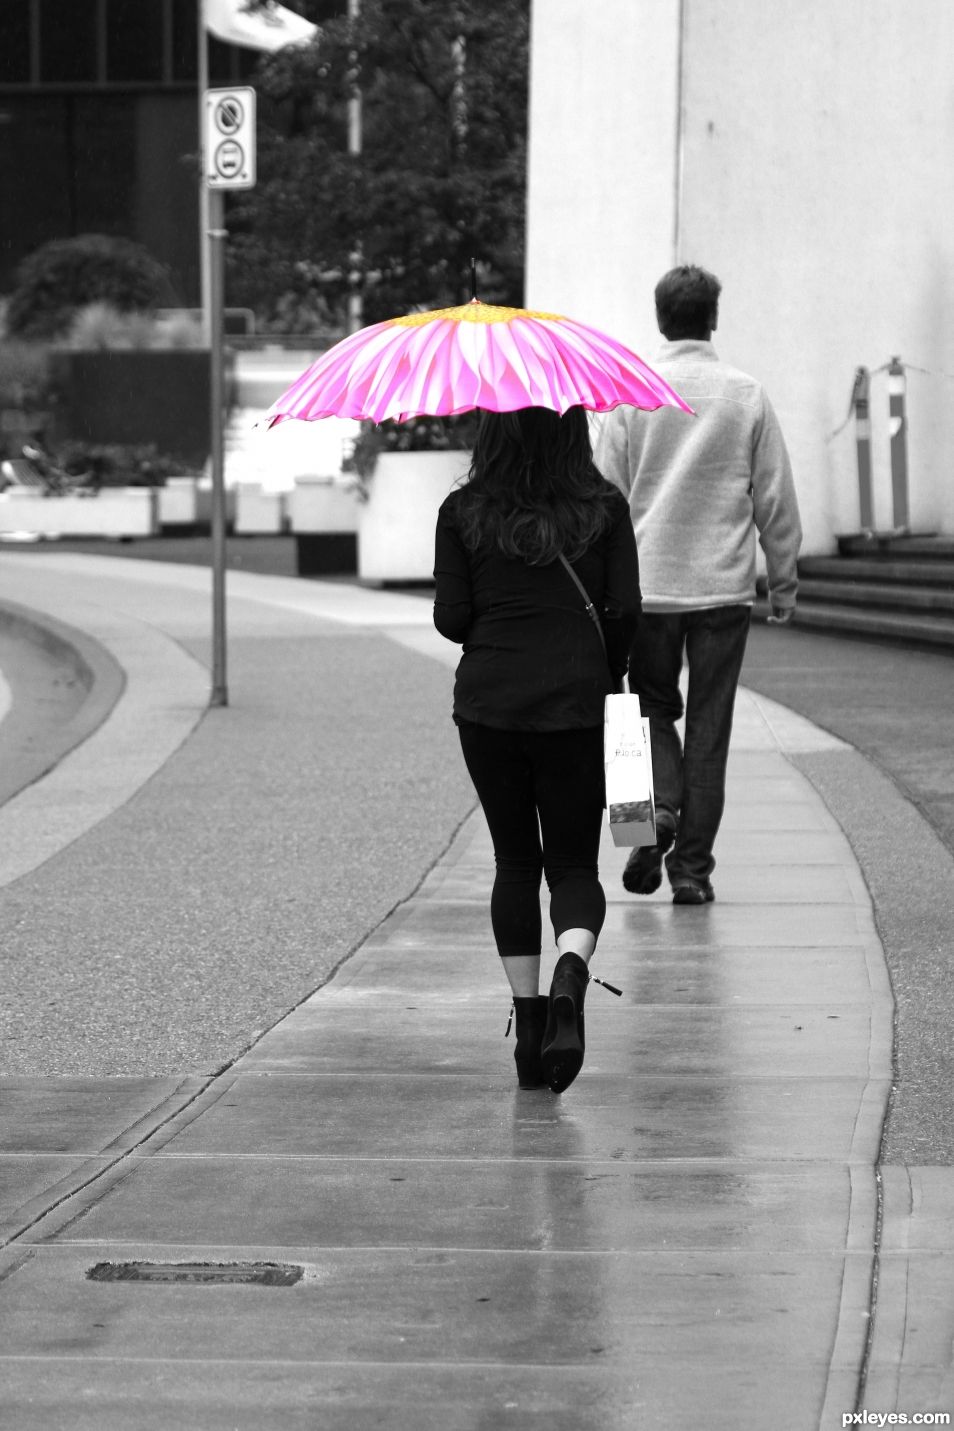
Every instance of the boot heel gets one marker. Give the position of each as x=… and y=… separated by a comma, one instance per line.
x=564, y=1040
x=563, y=1057
x=567, y=1034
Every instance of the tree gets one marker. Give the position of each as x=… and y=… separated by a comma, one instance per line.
x=440, y=176
x=62, y=276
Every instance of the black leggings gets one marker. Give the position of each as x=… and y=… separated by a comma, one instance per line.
x=542, y=795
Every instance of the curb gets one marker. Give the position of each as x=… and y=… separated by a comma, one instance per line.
x=24, y=758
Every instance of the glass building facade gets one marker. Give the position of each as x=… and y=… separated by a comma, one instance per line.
x=99, y=126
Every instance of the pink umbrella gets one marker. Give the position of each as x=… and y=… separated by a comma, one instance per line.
x=453, y=360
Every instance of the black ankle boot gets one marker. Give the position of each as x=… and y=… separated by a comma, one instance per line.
x=563, y=1040
x=531, y=1018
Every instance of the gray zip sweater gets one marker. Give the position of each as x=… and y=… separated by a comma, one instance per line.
x=700, y=487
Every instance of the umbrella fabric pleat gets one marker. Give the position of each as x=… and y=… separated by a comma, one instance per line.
x=473, y=363
x=542, y=345
x=439, y=387
x=526, y=373
x=578, y=373
x=380, y=381
x=620, y=359
x=384, y=388
x=332, y=385
x=604, y=368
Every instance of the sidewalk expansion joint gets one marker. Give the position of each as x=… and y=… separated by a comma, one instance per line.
x=91, y=1189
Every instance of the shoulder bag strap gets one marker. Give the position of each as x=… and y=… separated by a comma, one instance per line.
x=590, y=608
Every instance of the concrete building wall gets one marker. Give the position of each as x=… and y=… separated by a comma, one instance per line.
x=808, y=162
x=602, y=160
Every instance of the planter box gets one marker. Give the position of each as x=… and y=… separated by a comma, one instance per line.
x=396, y=524
x=322, y=504
x=112, y=512
x=149, y=396
x=257, y=510
x=204, y=505
x=184, y=505
x=323, y=514
x=178, y=503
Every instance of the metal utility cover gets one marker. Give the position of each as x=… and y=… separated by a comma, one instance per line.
x=258, y=1274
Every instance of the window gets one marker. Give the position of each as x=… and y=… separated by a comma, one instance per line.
x=15, y=49
x=134, y=40
x=185, y=65
x=68, y=32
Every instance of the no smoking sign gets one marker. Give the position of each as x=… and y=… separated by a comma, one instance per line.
x=229, y=149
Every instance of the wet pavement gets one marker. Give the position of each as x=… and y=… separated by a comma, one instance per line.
x=257, y=1019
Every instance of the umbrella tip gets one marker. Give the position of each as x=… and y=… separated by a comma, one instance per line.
x=473, y=280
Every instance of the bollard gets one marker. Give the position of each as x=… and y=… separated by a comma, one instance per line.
x=859, y=399
x=898, y=430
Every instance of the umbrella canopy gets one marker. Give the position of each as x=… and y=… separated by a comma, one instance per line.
x=478, y=355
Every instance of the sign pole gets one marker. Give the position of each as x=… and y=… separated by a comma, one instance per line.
x=216, y=251
x=229, y=163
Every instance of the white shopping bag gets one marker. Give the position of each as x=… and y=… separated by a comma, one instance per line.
x=630, y=806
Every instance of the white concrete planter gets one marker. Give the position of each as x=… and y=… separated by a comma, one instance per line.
x=204, y=504
x=112, y=512
x=396, y=524
x=258, y=511
x=178, y=502
x=323, y=514
x=322, y=505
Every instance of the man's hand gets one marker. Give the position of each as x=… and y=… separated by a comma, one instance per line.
x=781, y=615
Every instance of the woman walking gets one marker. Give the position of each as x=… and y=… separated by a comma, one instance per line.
x=533, y=519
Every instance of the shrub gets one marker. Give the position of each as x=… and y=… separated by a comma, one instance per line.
x=177, y=330
x=23, y=375
x=67, y=274
x=115, y=464
x=102, y=326
x=24, y=393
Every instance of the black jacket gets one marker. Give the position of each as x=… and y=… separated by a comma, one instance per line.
x=532, y=656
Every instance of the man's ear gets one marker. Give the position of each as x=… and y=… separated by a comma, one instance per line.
x=714, y=320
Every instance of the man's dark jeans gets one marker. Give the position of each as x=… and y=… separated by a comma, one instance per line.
x=690, y=779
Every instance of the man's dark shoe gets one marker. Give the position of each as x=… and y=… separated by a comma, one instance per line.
x=688, y=892
x=643, y=872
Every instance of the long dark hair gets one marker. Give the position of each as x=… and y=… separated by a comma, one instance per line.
x=533, y=490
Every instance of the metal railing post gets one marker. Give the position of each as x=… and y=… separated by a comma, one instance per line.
x=898, y=429
x=860, y=401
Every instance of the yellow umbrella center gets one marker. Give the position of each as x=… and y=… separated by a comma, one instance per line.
x=473, y=312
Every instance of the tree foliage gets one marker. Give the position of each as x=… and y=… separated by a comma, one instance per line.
x=63, y=276
x=440, y=176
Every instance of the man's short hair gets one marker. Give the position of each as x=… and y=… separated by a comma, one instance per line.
x=687, y=302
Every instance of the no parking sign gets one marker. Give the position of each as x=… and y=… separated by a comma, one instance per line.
x=229, y=148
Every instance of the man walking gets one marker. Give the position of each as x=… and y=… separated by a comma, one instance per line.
x=699, y=488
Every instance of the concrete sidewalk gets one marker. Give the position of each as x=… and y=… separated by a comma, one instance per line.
x=695, y=1233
